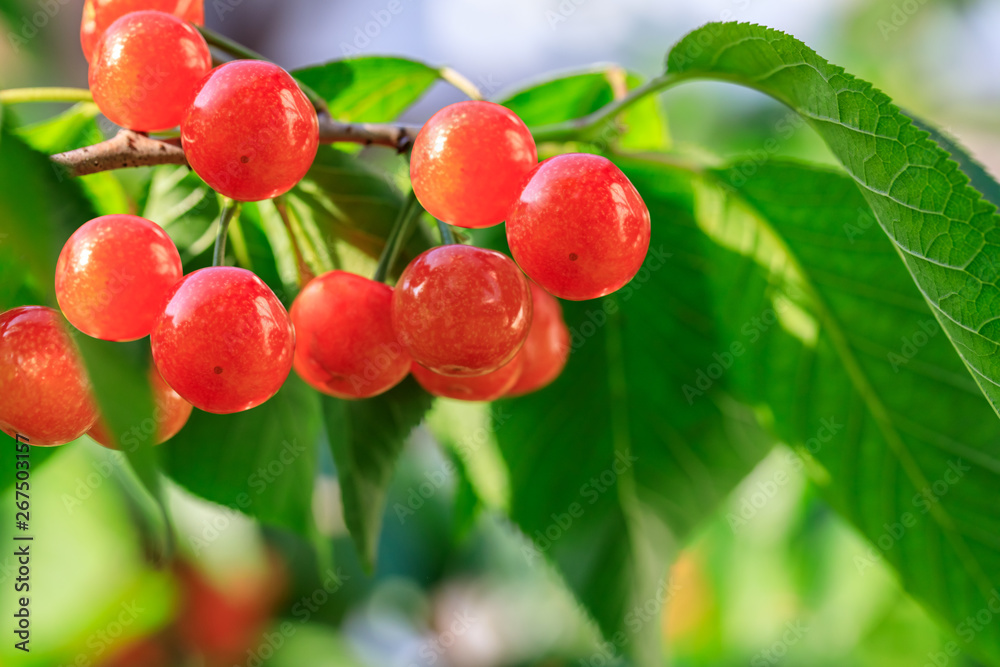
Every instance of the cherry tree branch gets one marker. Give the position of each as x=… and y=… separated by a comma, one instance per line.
x=132, y=149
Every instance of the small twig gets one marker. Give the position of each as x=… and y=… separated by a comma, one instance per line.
x=397, y=136
x=126, y=149
x=131, y=149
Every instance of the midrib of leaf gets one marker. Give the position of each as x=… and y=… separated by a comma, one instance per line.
x=833, y=328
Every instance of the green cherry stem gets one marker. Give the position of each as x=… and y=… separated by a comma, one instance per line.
x=408, y=215
x=229, y=211
x=233, y=48
x=447, y=233
x=581, y=128
x=24, y=95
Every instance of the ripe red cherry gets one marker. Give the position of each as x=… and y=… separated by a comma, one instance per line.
x=99, y=14
x=345, y=345
x=171, y=414
x=250, y=133
x=146, y=68
x=46, y=395
x=224, y=342
x=461, y=310
x=579, y=229
x=470, y=161
x=487, y=387
x=114, y=276
x=546, y=349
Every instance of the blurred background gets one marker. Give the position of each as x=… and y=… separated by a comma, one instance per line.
x=775, y=578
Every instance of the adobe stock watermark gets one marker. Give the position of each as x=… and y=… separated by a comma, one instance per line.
x=88, y=484
x=367, y=33
x=34, y=22
x=967, y=630
x=900, y=15
x=922, y=501
x=223, y=7
x=636, y=618
x=751, y=162
x=752, y=502
x=590, y=492
x=436, y=479
x=861, y=225
x=598, y=317
x=109, y=637
x=775, y=653
x=752, y=331
x=432, y=650
x=257, y=483
x=302, y=611
x=913, y=343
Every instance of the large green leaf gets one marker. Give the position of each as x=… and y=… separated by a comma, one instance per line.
x=830, y=340
x=610, y=467
x=186, y=208
x=944, y=229
x=74, y=128
x=344, y=206
x=261, y=462
x=119, y=373
x=366, y=438
x=39, y=208
x=582, y=93
x=373, y=89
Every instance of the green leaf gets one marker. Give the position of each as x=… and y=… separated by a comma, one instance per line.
x=34, y=228
x=366, y=438
x=119, y=373
x=578, y=94
x=32, y=231
x=843, y=358
x=979, y=178
x=372, y=89
x=187, y=209
x=261, y=462
x=944, y=229
x=611, y=469
x=342, y=201
x=75, y=128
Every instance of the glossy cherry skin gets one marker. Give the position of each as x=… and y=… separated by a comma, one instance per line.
x=114, y=275
x=579, y=229
x=146, y=70
x=169, y=417
x=251, y=133
x=45, y=394
x=461, y=310
x=487, y=387
x=224, y=343
x=470, y=161
x=546, y=350
x=99, y=14
x=345, y=345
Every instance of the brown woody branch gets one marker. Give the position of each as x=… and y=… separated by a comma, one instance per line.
x=132, y=149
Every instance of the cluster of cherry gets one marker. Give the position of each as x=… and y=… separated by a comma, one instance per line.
x=464, y=320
